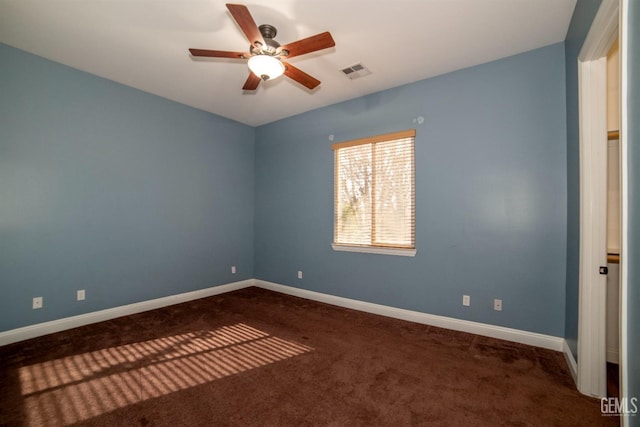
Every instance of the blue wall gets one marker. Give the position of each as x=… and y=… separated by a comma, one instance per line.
x=134, y=197
x=581, y=21
x=632, y=257
x=491, y=196
x=109, y=189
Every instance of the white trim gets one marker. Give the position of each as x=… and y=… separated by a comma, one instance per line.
x=500, y=332
x=571, y=361
x=593, y=134
x=33, y=331
x=624, y=198
x=374, y=250
x=613, y=356
x=602, y=33
x=593, y=246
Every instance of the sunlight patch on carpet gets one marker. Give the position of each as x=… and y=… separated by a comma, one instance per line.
x=90, y=384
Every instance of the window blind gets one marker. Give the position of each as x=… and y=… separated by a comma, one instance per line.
x=374, y=197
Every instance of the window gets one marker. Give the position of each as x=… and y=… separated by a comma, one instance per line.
x=374, y=198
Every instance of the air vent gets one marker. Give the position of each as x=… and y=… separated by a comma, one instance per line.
x=356, y=71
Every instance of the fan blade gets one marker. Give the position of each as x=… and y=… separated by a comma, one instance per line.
x=300, y=76
x=310, y=44
x=219, y=54
x=248, y=26
x=252, y=82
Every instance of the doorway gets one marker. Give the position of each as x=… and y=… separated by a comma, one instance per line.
x=592, y=70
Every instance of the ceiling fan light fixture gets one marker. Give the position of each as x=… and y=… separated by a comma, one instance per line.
x=266, y=67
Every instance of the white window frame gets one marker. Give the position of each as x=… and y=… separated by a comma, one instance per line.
x=381, y=250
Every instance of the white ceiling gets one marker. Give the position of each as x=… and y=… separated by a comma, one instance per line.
x=143, y=44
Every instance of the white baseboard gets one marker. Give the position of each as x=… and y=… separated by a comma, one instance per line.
x=514, y=335
x=571, y=361
x=509, y=334
x=612, y=355
x=45, y=328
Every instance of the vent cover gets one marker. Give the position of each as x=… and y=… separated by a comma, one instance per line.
x=356, y=71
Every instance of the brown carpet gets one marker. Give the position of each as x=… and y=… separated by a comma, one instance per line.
x=260, y=358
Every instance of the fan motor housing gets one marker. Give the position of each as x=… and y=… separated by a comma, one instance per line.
x=268, y=33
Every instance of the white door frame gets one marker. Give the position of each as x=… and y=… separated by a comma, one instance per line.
x=624, y=198
x=592, y=83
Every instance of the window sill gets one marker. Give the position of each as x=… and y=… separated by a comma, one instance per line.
x=374, y=250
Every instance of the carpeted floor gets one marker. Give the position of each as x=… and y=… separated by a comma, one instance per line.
x=258, y=358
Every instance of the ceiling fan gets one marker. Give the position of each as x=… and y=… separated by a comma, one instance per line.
x=265, y=54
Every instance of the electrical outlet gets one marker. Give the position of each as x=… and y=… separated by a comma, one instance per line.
x=497, y=304
x=80, y=295
x=466, y=300
x=233, y=269
x=37, y=302
x=299, y=274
